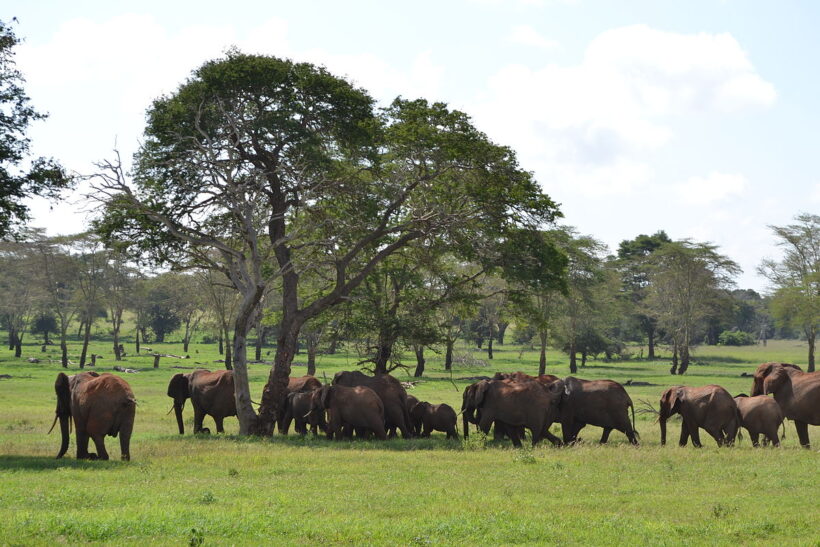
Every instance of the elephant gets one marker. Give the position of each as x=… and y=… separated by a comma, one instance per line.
x=299, y=384
x=434, y=418
x=100, y=405
x=471, y=414
x=391, y=392
x=710, y=407
x=211, y=394
x=297, y=408
x=519, y=376
x=350, y=408
x=602, y=403
x=797, y=393
x=760, y=415
x=415, y=426
x=529, y=405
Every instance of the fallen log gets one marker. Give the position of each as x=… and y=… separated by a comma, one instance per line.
x=126, y=370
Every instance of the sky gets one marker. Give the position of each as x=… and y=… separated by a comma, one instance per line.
x=698, y=118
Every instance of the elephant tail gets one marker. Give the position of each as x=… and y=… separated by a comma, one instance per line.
x=634, y=430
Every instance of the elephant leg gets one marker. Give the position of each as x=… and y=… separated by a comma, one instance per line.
x=99, y=443
x=516, y=440
x=771, y=436
x=125, y=439
x=82, y=445
x=695, y=434
x=755, y=437
x=605, y=435
x=552, y=438
x=684, y=434
x=499, y=432
x=218, y=420
x=802, y=433
x=199, y=416
x=718, y=435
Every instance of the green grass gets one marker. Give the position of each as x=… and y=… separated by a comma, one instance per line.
x=231, y=490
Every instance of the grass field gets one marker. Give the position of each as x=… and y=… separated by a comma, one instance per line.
x=186, y=490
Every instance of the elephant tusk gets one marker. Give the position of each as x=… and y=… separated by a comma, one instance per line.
x=53, y=424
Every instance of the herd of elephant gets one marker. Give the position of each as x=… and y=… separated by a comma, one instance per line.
x=510, y=403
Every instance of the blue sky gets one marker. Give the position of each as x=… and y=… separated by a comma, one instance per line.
x=696, y=117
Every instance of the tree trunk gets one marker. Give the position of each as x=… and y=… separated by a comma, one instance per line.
x=674, y=368
x=63, y=349
x=383, y=353
x=333, y=343
x=277, y=386
x=80, y=330
x=419, y=361
x=260, y=340
x=137, y=341
x=187, y=338
x=651, y=335
x=542, y=362
x=12, y=338
x=86, y=338
x=448, y=355
x=93, y=360
x=248, y=420
x=156, y=360
x=502, y=328
x=573, y=363
x=490, y=347
x=228, y=356
x=18, y=346
x=811, y=338
x=684, y=356
x=221, y=345
x=312, y=349
x=583, y=359
x=47, y=341
x=117, y=323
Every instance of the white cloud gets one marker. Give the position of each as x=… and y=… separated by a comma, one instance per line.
x=618, y=105
x=815, y=194
x=528, y=36
x=712, y=188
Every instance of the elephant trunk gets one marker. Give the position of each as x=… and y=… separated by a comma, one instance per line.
x=64, y=431
x=663, y=430
x=179, y=404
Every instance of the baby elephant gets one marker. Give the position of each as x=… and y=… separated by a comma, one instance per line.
x=760, y=415
x=429, y=418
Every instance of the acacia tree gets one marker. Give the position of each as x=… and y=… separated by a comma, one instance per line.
x=634, y=265
x=20, y=299
x=796, y=278
x=685, y=279
x=254, y=146
x=57, y=275
x=119, y=284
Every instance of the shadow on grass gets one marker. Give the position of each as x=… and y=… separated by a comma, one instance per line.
x=309, y=441
x=44, y=463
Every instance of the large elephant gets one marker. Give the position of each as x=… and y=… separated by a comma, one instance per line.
x=392, y=393
x=530, y=405
x=350, y=408
x=710, y=407
x=298, y=409
x=298, y=384
x=434, y=418
x=100, y=405
x=601, y=403
x=760, y=415
x=471, y=413
x=211, y=394
x=797, y=393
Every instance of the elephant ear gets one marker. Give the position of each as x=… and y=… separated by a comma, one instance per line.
x=325, y=397
x=480, y=392
x=773, y=379
x=678, y=396
x=63, y=390
x=178, y=387
x=570, y=385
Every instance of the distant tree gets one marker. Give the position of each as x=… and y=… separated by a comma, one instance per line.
x=44, y=323
x=45, y=177
x=119, y=287
x=796, y=278
x=91, y=263
x=20, y=299
x=685, y=279
x=162, y=314
x=634, y=266
x=57, y=275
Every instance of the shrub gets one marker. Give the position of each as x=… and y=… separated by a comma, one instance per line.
x=735, y=338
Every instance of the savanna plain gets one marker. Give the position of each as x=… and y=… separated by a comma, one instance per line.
x=224, y=489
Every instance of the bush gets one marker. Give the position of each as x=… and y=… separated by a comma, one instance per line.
x=735, y=338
